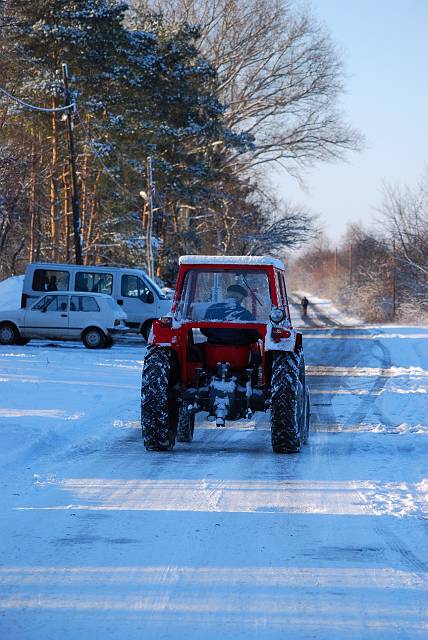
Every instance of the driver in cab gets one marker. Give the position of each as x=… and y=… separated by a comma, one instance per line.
x=231, y=310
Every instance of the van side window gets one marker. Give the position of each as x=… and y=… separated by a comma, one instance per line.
x=134, y=287
x=50, y=280
x=83, y=303
x=94, y=282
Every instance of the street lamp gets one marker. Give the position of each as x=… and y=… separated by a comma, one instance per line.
x=148, y=199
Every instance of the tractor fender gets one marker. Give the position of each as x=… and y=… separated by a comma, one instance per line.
x=290, y=343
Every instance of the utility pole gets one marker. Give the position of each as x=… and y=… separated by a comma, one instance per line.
x=394, y=282
x=335, y=268
x=350, y=264
x=150, y=189
x=77, y=221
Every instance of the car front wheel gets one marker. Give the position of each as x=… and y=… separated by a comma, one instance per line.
x=9, y=334
x=93, y=338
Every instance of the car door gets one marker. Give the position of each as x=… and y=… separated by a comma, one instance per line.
x=48, y=317
x=82, y=309
x=138, y=299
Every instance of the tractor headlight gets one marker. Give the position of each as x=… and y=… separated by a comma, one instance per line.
x=277, y=315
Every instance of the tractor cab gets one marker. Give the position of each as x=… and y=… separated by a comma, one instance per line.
x=226, y=311
x=229, y=318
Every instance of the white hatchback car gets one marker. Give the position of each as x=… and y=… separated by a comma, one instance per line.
x=93, y=318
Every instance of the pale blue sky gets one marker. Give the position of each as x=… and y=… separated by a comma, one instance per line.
x=385, y=49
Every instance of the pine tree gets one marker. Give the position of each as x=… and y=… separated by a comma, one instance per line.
x=139, y=92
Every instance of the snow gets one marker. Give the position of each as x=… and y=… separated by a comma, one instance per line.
x=220, y=538
x=10, y=293
x=238, y=260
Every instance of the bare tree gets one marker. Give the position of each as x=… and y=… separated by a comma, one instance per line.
x=405, y=216
x=279, y=73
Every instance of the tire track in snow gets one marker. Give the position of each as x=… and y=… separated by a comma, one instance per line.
x=327, y=415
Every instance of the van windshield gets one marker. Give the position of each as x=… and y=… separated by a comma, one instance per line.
x=154, y=286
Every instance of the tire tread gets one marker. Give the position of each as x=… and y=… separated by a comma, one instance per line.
x=286, y=392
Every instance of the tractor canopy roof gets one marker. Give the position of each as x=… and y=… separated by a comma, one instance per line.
x=242, y=261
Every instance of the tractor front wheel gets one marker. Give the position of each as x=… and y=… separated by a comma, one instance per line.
x=159, y=409
x=287, y=402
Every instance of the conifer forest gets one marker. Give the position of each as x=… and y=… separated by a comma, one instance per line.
x=208, y=98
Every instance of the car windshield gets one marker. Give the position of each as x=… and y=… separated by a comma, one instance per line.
x=228, y=295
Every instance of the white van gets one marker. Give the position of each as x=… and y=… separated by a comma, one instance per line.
x=141, y=298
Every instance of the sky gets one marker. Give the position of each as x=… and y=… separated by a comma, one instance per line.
x=384, y=45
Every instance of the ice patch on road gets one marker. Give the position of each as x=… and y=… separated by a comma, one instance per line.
x=353, y=497
x=373, y=427
x=40, y=413
x=401, y=429
x=390, y=372
x=127, y=424
x=397, y=498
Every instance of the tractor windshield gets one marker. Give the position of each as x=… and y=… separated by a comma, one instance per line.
x=228, y=295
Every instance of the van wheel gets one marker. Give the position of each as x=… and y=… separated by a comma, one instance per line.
x=93, y=338
x=145, y=329
x=9, y=334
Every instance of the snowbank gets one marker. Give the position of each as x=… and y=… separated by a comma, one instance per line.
x=10, y=293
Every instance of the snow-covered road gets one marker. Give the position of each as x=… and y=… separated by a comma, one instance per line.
x=220, y=538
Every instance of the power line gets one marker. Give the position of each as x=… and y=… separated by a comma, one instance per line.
x=33, y=107
x=87, y=136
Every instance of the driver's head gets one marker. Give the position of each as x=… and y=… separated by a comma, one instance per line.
x=237, y=292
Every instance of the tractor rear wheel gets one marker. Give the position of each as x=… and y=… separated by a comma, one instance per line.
x=186, y=424
x=159, y=409
x=287, y=402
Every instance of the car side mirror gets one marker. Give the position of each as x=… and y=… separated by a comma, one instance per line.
x=148, y=297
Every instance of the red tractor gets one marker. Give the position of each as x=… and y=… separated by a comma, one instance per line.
x=227, y=348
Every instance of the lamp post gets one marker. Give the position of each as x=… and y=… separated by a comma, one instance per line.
x=147, y=196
